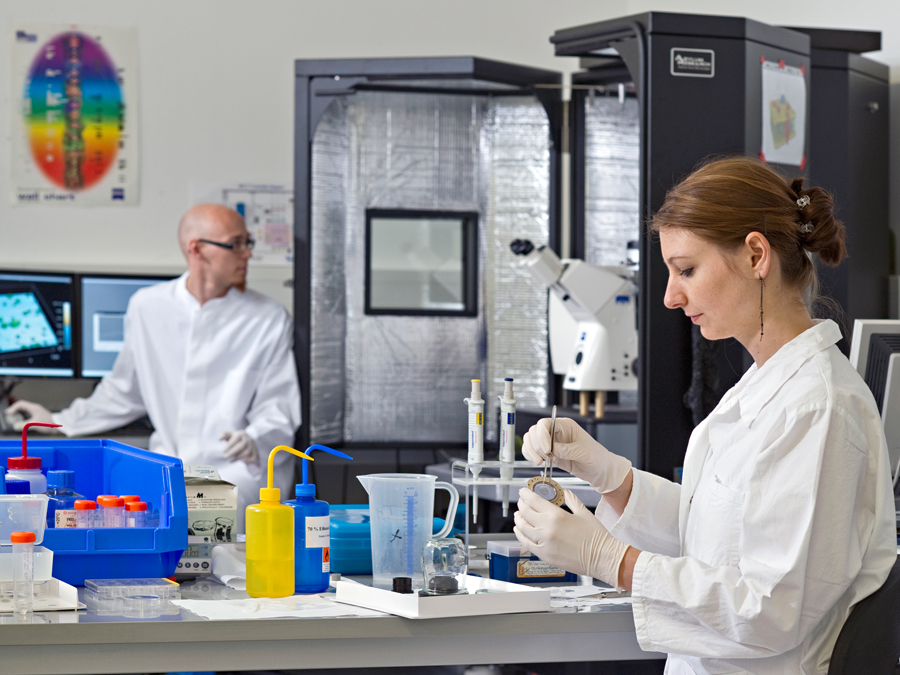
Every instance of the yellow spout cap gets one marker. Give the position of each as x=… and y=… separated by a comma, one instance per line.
x=273, y=494
x=270, y=494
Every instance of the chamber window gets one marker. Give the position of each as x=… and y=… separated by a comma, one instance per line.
x=421, y=262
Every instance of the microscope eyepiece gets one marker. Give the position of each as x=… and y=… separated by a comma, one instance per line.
x=521, y=247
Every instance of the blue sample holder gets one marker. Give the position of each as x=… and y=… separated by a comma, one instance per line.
x=108, y=467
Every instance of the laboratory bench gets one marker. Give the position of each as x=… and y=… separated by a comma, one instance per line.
x=85, y=642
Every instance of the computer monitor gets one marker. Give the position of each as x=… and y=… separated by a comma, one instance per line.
x=104, y=300
x=875, y=353
x=36, y=337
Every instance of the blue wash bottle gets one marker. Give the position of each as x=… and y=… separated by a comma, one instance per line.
x=312, y=525
x=61, y=494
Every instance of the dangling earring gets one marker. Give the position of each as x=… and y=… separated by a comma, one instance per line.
x=761, y=284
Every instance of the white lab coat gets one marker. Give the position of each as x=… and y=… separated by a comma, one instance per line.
x=198, y=371
x=784, y=521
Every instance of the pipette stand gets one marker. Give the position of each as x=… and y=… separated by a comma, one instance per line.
x=489, y=477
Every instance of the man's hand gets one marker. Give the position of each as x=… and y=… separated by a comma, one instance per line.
x=33, y=412
x=239, y=446
x=576, y=542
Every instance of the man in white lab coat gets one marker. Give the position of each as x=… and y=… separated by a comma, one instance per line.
x=207, y=360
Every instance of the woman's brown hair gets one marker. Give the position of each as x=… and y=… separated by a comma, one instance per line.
x=726, y=199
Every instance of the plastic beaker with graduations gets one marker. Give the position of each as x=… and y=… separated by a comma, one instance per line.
x=401, y=506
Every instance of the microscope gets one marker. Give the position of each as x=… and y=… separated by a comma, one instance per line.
x=592, y=322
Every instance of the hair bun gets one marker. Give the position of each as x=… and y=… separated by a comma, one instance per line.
x=827, y=236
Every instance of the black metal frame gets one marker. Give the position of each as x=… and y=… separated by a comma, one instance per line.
x=319, y=82
x=469, y=222
x=683, y=121
x=849, y=124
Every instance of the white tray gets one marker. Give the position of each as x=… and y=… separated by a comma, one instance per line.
x=60, y=596
x=502, y=598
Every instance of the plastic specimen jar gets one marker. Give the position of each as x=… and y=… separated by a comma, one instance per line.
x=85, y=513
x=112, y=511
x=130, y=498
x=23, y=571
x=135, y=514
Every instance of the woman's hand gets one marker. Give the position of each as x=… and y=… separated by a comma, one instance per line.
x=577, y=452
x=576, y=542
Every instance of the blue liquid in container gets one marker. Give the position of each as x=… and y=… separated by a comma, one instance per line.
x=311, y=541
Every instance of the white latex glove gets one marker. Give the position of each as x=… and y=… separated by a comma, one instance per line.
x=577, y=452
x=239, y=446
x=576, y=542
x=33, y=412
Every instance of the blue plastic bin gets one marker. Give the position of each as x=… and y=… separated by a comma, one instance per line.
x=107, y=467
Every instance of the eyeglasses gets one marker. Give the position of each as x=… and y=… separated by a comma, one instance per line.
x=238, y=246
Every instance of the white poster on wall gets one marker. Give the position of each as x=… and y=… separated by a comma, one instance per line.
x=268, y=210
x=783, y=114
x=74, y=115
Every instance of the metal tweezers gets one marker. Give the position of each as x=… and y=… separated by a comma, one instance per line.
x=548, y=461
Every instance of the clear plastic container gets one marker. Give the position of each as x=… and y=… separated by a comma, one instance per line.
x=85, y=513
x=43, y=565
x=110, y=597
x=22, y=513
x=444, y=566
x=401, y=507
x=62, y=498
x=135, y=514
x=23, y=571
x=112, y=511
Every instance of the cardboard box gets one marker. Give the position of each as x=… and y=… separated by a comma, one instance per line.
x=212, y=518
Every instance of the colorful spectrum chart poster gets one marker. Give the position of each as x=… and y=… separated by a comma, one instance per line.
x=75, y=116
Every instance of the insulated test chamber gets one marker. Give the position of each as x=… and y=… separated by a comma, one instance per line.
x=689, y=87
x=399, y=163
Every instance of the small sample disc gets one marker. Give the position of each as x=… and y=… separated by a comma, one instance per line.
x=547, y=488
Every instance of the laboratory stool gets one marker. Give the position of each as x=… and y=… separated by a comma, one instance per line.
x=869, y=642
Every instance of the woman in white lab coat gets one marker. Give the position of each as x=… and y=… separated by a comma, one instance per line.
x=785, y=518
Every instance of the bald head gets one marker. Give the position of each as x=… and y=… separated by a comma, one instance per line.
x=206, y=221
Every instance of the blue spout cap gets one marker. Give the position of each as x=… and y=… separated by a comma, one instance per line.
x=61, y=479
x=323, y=448
x=301, y=490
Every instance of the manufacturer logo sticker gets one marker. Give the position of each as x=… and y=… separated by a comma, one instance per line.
x=693, y=62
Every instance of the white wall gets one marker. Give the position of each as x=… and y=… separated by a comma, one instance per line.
x=216, y=84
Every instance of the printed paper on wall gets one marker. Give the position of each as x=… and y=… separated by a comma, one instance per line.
x=268, y=211
x=783, y=114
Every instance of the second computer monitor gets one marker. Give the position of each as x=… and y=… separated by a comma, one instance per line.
x=104, y=300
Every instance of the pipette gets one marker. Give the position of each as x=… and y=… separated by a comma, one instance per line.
x=507, y=438
x=476, y=440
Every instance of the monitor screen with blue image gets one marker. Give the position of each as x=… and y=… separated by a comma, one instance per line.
x=36, y=337
x=104, y=300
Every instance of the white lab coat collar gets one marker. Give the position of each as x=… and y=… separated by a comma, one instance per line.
x=185, y=296
x=761, y=384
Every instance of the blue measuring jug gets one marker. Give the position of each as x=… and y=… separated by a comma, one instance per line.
x=400, y=510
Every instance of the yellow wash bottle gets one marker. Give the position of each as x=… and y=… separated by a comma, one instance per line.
x=270, y=540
